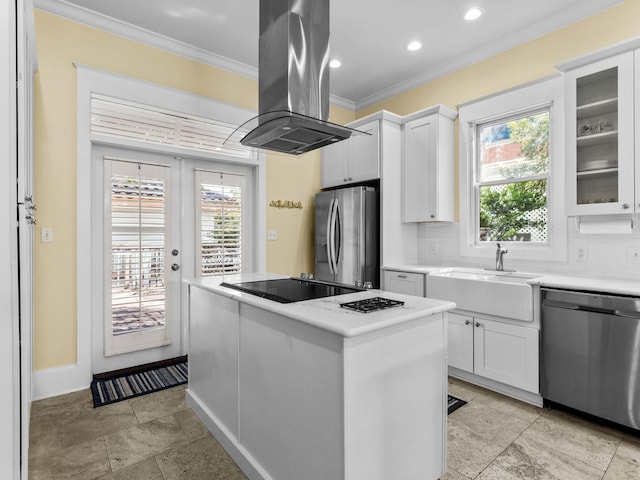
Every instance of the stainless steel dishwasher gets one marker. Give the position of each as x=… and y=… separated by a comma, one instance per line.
x=590, y=353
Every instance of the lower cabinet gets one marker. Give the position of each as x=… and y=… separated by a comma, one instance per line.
x=403, y=282
x=503, y=352
x=460, y=342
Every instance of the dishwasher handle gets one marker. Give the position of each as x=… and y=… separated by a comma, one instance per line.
x=590, y=309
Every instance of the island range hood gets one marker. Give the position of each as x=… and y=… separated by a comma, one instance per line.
x=293, y=80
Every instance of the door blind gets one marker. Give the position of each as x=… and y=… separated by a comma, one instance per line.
x=137, y=253
x=220, y=212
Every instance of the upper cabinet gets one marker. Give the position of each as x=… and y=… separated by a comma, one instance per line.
x=354, y=160
x=599, y=133
x=428, y=166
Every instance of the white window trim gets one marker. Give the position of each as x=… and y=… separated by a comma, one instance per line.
x=549, y=91
x=92, y=80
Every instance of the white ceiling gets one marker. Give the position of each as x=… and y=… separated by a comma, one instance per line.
x=368, y=36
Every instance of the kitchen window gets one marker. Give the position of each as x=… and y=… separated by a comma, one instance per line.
x=512, y=174
x=511, y=178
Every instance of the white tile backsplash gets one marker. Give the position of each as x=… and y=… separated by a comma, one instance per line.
x=605, y=255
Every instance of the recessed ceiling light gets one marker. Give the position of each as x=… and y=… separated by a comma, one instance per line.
x=413, y=46
x=472, y=14
x=335, y=63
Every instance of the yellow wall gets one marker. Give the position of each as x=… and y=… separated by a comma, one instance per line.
x=528, y=62
x=288, y=179
x=61, y=42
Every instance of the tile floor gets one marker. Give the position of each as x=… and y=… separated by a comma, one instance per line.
x=153, y=437
x=157, y=437
x=497, y=438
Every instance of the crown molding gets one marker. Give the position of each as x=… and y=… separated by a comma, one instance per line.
x=532, y=31
x=132, y=32
x=138, y=34
x=88, y=17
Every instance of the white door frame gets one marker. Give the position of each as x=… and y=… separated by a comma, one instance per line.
x=9, y=291
x=77, y=376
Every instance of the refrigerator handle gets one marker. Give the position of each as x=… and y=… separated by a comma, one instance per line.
x=330, y=236
x=337, y=235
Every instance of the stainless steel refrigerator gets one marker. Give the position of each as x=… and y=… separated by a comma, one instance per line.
x=347, y=233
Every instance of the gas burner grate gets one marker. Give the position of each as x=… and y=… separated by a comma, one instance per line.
x=372, y=304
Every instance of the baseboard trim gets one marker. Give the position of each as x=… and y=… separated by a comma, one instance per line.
x=55, y=381
x=247, y=463
x=534, y=399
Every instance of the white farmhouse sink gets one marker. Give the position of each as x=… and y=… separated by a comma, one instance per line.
x=493, y=293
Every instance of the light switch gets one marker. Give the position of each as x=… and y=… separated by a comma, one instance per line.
x=272, y=235
x=46, y=235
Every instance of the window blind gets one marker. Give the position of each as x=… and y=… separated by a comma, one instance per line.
x=122, y=119
x=137, y=253
x=220, y=212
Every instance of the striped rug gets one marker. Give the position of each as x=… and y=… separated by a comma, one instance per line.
x=453, y=404
x=123, y=387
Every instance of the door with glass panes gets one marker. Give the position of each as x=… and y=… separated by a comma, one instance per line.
x=140, y=244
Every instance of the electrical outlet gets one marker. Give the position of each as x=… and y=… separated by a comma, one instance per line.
x=633, y=254
x=433, y=248
x=272, y=235
x=581, y=253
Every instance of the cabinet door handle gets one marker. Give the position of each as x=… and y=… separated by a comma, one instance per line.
x=625, y=205
x=402, y=276
x=478, y=324
x=467, y=322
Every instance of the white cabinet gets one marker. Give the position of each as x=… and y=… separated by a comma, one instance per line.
x=499, y=351
x=460, y=342
x=506, y=353
x=599, y=129
x=427, y=166
x=291, y=400
x=213, y=354
x=403, y=282
x=354, y=160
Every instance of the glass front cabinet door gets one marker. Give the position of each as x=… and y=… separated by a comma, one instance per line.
x=599, y=137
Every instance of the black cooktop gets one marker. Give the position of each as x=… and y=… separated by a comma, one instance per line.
x=289, y=290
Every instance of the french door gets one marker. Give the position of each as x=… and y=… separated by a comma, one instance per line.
x=140, y=244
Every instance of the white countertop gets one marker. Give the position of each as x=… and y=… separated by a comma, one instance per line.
x=592, y=284
x=326, y=313
x=551, y=280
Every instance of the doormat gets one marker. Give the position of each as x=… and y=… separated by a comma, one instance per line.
x=125, y=384
x=453, y=404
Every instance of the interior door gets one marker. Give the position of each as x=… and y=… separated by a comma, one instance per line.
x=138, y=237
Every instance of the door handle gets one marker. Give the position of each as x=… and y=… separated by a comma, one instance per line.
x=330, y=234
x=175, y=267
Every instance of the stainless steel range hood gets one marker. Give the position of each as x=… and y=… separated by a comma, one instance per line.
x=293, y=80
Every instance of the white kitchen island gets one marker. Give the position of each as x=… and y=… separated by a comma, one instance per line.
x=310, y=390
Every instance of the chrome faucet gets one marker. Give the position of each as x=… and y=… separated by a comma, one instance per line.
x=499, y=253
